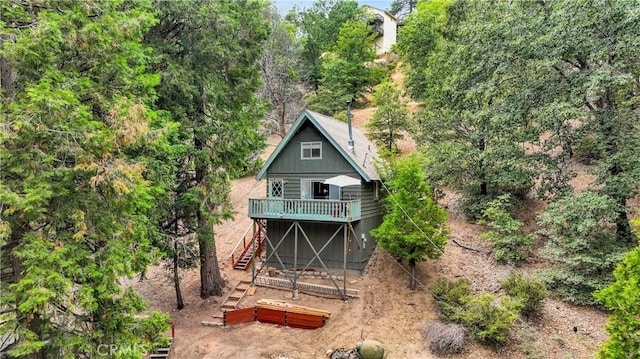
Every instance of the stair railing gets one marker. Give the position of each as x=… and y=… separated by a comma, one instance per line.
x=242, y=240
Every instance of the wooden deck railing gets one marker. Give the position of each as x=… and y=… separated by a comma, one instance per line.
x=309, y=209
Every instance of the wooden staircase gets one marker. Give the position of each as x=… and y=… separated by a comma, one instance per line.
x=246, y=257
x=234, y=297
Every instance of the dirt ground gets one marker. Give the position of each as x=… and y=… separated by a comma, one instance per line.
x=387, y=310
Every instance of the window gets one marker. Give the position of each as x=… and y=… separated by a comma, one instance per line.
x=315, y=189
x=311, y=189
x=277, y=188
x=311, y=150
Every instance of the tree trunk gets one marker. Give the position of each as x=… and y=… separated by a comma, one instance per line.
x=283, y=119
x=623, y=228
x=35, y=326
x=482, y=175
x=7, y=73
x=412, y=283
x=176, y=274
x=211, y=282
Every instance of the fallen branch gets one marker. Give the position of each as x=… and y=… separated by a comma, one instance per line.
x=468, y=248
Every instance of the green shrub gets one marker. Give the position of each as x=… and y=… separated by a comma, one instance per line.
x=341, y=116
x=528, y=343
x=529, y=294
x=450, y=296
x=583, y=246
x=474, y=206
x=324, y=102
x=511, y=244
x=509, y=194
x=485, y=320
x=587, y=151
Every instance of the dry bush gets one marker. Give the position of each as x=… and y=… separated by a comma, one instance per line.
x=444, y=338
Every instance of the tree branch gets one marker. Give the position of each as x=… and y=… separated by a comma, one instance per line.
x=468, y=248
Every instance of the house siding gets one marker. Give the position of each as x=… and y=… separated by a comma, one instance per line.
x=319, y=234
x=288, y=164
x=371, y=206
x=384, y=43
x=289, y=167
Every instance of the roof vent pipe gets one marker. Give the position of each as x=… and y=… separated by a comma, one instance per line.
x=350, y=144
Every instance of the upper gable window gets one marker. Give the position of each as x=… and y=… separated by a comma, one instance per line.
x=311, y=150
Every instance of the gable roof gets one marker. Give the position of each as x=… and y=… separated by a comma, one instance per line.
x=337, y=133
x=375, y=9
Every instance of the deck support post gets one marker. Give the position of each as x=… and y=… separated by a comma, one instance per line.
x=253, y=247
x=317, y=256
x=274, y=249
x=295, y=263
x=298, y=229
x=344, y=265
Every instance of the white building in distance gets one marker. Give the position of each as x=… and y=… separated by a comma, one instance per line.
x=386, y=27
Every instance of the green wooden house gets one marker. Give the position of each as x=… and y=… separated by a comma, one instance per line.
x=322, y=197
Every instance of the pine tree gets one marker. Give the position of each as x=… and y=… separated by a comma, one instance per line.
x=390, y=119
x=208, y=54
x=415, y=226
x=74, y=183
x=471, y=120
x=319, y=26
x=347, y=71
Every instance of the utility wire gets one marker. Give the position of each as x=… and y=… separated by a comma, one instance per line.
x=441, y=301
x=420, y=229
